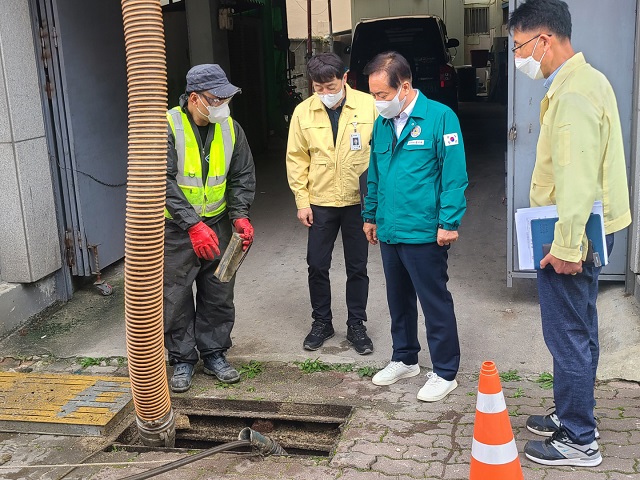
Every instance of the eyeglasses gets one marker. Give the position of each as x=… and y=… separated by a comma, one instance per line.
x=513, y=50
x=215, y=102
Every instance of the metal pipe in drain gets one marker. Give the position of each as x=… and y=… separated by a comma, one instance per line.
x=263, y=445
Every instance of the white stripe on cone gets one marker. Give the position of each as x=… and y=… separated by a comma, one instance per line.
x=494, y=454
x=491, y=403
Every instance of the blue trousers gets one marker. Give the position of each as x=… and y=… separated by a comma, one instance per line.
x=420, y=272
x=570, y=330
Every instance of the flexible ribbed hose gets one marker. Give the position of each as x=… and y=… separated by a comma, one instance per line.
x=144, y=232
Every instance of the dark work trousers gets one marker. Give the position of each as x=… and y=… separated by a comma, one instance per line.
x=570, y=330
x=322, y=236
x=420, y=272
x=206, y=324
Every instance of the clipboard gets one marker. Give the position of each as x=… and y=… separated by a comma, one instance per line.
x=542, y=231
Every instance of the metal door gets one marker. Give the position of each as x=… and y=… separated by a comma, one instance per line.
x=83, y=70
x=605, y=33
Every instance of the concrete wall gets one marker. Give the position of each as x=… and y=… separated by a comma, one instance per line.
x=633, y=278
x=29, y=238
x=485, y=42
x=207, y=43
x=297, y=17
x=19, y=302
x=177, y=48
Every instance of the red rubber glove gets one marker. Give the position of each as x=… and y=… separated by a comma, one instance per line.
x=204, y=240
x=244, y=228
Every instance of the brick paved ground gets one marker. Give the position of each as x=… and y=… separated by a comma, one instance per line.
x=390, y=434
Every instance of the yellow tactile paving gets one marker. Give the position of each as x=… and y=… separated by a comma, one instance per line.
x=72, y=404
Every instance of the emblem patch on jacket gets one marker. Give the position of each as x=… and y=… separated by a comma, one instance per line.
x=416, y=131
x=450, y=139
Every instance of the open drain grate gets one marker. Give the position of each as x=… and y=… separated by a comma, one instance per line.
x=201, y=423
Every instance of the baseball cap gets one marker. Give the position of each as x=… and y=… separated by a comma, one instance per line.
x=209, y=77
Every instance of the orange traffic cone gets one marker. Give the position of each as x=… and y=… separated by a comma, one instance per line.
x=494, y=455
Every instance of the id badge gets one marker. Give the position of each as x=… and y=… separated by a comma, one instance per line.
x=356, y=142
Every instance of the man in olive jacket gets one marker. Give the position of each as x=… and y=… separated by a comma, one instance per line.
x=415, y=201
x=327, y=151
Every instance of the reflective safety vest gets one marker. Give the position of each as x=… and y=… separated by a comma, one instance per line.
x=207, y=199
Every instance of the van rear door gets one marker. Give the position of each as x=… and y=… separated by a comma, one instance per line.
x=418, y=39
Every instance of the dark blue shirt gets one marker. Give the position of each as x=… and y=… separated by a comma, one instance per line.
x=334, y=117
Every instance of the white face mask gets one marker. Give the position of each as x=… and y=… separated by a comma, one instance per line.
x=530, y=66
x=330, y=100
x=215, y=114
x=391, y=108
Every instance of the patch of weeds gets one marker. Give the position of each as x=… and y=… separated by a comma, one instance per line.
x=518, y=393
x=251, y=369
x=384, y=434
x=367, y=371
x=621, y=410
x=510, y=376
x=313, y=366
x=223, y=385
x=472, y=394
x=51, y=329
x=343, y=367
x=515, y=413
x=90, y=361
x=545, y=381
x=122, y=361
x=318, y=460
x=251, y=389
x=232, y=397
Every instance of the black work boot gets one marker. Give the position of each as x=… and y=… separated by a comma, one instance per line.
x=357, y=336
x=320, y=331
x=181, y=378
x=218, y=366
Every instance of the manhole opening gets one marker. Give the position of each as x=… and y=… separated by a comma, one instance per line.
x=202, y=423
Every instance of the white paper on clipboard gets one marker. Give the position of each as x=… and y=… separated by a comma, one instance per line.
x=523, y=219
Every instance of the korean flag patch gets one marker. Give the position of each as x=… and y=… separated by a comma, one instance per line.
x=450, y=139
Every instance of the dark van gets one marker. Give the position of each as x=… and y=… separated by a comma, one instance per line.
x=422, y=40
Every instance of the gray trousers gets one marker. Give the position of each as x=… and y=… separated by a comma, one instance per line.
x=204, y=325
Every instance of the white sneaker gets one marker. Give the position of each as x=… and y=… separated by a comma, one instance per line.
x=394, y=372
x=436, y=388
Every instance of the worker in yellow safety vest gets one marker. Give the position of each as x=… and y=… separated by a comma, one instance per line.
x=210, y=188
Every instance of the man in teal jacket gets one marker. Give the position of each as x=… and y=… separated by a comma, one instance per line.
x=414, y=204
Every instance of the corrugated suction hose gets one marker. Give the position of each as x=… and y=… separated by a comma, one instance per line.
x=144, y=232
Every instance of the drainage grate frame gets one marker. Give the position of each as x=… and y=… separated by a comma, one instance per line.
x=201, y=423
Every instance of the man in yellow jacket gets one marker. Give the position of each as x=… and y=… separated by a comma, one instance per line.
x=327, y=151
x=579, y=159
